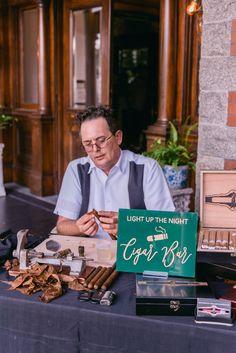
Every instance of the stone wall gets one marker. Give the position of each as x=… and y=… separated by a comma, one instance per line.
x=217, y=94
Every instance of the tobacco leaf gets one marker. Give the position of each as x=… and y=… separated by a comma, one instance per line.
x=72, y=281
x=76, y=285
x=52, y=291
x=44, y=278
x=37, y=269
x=38, y=278
x=66, y=278
x=8, y=265
x=18, y=281
x=26, y=290
x=11, y=264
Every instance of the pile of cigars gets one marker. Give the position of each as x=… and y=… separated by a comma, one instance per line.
x=217, y=240
x=96, y=278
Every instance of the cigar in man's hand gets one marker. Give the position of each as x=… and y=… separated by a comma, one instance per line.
x=95, y=213
x=113, y=236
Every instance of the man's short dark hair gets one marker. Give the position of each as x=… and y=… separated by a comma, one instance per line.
x=95, y=112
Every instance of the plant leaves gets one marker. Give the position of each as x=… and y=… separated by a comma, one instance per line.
x=176, y=151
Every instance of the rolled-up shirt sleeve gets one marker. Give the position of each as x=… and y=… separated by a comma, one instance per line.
x=69, y=199
x=156, y=191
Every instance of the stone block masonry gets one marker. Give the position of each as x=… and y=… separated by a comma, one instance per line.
x=217, y=89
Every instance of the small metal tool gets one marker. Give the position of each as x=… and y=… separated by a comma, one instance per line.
x=81, y=250
x=28, y=257
x=108, y=298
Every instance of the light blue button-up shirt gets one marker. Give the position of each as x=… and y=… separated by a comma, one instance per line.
x=110, y=192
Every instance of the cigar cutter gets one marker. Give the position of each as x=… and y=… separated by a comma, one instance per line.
x=108, y=298
x=85, y=295
x=97, y=296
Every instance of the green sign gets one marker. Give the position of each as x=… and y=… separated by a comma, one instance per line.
x=157, y=241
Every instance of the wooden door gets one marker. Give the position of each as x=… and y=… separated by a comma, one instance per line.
x=135, y=47
x=27, y=95
x=85, y=68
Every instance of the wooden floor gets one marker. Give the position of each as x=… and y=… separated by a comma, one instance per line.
x=22, y=211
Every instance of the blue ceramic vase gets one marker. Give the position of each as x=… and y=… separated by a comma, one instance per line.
x=177, y=177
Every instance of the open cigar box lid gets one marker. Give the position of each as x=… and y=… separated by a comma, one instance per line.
x=218, y=199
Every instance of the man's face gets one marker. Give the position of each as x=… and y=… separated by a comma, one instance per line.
x=106, y=155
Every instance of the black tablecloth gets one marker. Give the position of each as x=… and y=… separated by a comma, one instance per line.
x=68, y=326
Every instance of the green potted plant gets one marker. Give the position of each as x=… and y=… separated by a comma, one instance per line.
x=6, y=120
x=175, y=157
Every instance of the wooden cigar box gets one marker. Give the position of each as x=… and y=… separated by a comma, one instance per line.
x=217, y=233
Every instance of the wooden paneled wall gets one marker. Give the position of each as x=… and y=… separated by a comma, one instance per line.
x=45, y=138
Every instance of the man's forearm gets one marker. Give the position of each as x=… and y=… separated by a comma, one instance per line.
x=68, y=227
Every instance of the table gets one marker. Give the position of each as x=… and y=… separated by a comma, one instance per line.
x=68, y=326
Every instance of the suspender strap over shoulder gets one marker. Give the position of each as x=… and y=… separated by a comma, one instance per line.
x=135, y=186
x=84, y=178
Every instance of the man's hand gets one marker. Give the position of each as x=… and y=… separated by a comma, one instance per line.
x=109, y=222
x=87, y=224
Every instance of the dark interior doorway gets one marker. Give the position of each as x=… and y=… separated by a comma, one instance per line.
x=134, y=75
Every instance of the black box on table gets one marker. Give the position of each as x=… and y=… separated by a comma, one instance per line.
x=171, y=296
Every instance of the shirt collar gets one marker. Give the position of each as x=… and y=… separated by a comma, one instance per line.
x=92, y=165
x=121, y=163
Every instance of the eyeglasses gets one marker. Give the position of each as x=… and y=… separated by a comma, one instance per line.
x=100, y=142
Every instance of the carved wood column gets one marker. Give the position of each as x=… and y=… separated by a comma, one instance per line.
x=166, y=72
x=43, y=60
x=42, y=172
x=182, y=60
x=107, y=6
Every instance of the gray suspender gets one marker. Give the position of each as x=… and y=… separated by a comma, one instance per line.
x=135, y=186
x=84, y=178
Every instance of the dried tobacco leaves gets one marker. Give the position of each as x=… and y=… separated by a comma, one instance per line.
x=43, y=278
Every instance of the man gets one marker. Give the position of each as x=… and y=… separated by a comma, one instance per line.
x=106, y=180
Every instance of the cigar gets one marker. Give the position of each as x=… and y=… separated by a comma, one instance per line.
x=91, y=276
x=205, y=240
x=225, y=240
x=113, y=236
x=104, y=277
x=110, y=279
x=218, y=240
x=86, y=272
x=232, y=241
x=212, y=239
x=94, y=212
x=96, y=277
